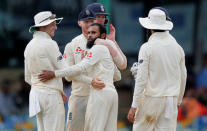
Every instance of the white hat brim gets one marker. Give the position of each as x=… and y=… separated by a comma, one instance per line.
x=33, y=28
x=145, y=22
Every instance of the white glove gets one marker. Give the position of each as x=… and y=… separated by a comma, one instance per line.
x=134, y=69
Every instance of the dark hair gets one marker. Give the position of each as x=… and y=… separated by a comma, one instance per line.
x=158, y=30
x=37, y=28
x=102, y=28
x=148, y=32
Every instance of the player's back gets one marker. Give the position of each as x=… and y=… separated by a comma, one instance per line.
x=38, y=59
x=104, y=68
x=164, y=64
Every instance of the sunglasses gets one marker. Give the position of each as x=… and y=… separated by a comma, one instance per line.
x=52, y=17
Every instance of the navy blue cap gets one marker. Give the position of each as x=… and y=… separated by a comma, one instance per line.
x=85, y=15
x=164, y=10
x=97, y=9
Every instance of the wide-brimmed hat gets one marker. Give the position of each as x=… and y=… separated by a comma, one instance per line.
x=158, y=19
x=44, y=18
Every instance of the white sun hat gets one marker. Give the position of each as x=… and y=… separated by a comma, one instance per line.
x=44, y=18
x=157, y=19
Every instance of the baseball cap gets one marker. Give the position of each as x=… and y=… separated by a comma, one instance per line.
x=85, y=15
x=97, y=9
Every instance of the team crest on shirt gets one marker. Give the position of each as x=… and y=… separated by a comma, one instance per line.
x=83, y=53
x=89, y=55
x=78, y=50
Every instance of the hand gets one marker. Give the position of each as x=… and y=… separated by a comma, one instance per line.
x=64, y=96
x=46, y=75
x=131, y=114
x=134, y=69
x=97, y=83
x=100, y=41
x=112, y=34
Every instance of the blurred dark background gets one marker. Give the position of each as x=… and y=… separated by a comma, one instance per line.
x=190, y=30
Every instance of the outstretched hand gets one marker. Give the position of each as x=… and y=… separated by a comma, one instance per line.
x=112, y=34
x=46, y=75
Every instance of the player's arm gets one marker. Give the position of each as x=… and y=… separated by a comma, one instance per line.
x=54, y=55
x=142, y=75
x=123, y=63
x=27, y=73
x=117, y=74
x=111, y=37
x=141, y=81
x=117, y=57
x=69, y=58
x=95, y=55
x=183, y=78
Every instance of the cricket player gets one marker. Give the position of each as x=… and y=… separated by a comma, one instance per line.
x=102, y=107
x=101, y=17
x=161, y=77
x=42, y=53
x=74, y=52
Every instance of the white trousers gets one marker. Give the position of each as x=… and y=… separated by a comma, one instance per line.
x=102, y=110
x=76, y=113
x=156, y=114
x=52, y=114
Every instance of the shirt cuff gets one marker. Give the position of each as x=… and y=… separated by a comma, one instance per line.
x=57, y=73
x=134, y=104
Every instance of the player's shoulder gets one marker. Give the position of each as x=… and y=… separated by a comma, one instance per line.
x=144, y=45
x=78, y=38
x=48, y=43
x=73, y=41
x=28, y=46
x=100, y=48
x=52, y=43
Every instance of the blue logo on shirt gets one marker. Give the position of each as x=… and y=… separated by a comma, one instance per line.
x=141, y=61
x=59, y=58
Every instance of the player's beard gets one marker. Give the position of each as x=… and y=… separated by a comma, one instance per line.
x=90, y=43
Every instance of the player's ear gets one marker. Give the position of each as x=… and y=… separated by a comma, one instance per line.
x=79, y=23
x=103, y=36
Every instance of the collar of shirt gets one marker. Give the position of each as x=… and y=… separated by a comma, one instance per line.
x=41, y=34
x=159, y=35
x=84, y=38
